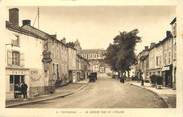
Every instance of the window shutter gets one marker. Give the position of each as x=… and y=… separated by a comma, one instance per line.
x=21, y=59
x=9, y=58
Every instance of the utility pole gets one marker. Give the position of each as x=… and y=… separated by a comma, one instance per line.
x=38, y=17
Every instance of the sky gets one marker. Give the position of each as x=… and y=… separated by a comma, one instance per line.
x=96, y=26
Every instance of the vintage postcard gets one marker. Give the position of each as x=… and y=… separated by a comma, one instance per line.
x=84, y=58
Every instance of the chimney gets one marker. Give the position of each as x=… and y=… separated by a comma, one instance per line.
x=54, y=36
x=64, y=40
x=14, y=16
x=146, y=47
x=152, y=45
x=26, y=22
x=168, y=34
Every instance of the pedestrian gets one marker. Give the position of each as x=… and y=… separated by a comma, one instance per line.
x=142, y=79
x=24, y=90
x=122, y=78
x=17, y=90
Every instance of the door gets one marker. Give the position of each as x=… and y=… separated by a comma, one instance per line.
x=168, y=79
x=14, y=81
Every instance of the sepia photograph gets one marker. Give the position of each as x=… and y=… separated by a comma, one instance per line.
x=103, y=57
x=91, y=57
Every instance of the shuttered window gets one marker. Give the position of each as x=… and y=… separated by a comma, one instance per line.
x=9, y=57
x=15, y=58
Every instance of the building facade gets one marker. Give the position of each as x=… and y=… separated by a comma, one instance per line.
x=56, y=61
x=72, y=63
x=83, y=67
x=155, y=59
x=143, y=62
x=34, y=57
x=96, y=59
x=174, y=34
x=22, y=63
x=162, y=58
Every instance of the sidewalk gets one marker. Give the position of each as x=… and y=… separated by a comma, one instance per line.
x=59, y=92
x=167, y=94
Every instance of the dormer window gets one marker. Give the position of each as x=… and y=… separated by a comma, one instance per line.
x=16, y=41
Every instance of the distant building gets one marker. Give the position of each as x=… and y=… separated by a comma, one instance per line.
x=78, y=65
x=96, y=60
x=143, y=63
x=83, y=67
x=72, y=61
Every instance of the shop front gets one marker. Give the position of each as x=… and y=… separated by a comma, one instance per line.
x=167, y=76
x=14, y=77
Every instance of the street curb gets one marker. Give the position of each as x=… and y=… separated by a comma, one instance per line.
x=167, y=105
x=48, y=98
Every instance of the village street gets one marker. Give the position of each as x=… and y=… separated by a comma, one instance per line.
x=104, y=93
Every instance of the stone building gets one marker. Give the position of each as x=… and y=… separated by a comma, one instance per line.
x=24, y=58
x=155, y=59
x=78, y=66
x=174, y=33
x=34, y=56
x=96, y=59
x=83, y=67
x=55, y=57
x=72, y=63
x=162, y=58
x=143, y=63
x=167, y=69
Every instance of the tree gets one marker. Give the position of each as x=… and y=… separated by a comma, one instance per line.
x=120, y=54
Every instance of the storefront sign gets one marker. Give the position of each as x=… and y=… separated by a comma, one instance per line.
x=166, y=68
x=17, y=72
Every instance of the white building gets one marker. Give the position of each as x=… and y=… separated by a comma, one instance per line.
x=24, y=59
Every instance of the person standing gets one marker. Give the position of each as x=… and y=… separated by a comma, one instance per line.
x=24, y=90
x=17, y=90
x=142, y=78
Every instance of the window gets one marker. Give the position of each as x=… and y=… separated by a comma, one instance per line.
x=16, y=41
x=157, y=61
x=11, y=79
x=15, y=58
x=165, y=59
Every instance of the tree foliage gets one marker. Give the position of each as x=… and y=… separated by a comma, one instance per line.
x=120, y=54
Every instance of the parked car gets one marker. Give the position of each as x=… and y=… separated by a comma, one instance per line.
x=92, y=77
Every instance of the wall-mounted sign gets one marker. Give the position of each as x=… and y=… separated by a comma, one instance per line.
x=46, y=56
x=34, y=75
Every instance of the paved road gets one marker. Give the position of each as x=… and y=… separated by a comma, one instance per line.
x=105, y=93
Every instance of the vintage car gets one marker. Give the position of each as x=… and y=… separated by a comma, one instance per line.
x=92, y=77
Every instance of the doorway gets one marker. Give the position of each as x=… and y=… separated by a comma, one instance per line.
x=15, y=80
